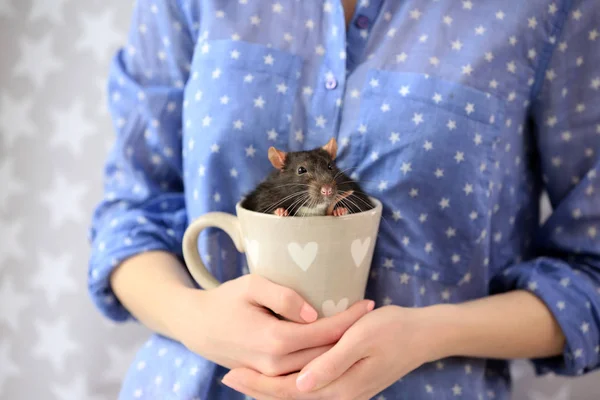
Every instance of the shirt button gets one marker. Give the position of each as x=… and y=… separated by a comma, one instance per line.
x=331, y=83
x=362, y=22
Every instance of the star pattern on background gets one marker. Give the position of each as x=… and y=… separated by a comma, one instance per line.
x=52, y=11
x=12, y=185
x=11, y=245
x=64, y=200
x=562, y=393
x=77, y=387
x=37, y=61
x=53, y=277
x=71, y=119
x=71, y=127
x=6, y=9
x=8, y=367
x=119, y=362
x=98, y=35
x=15, y=119
x=55, y=342
x=13, y=302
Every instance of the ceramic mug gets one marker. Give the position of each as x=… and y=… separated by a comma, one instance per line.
x=325, y=259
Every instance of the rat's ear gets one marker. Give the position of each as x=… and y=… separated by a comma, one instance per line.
x=331, y=148
x=277, y=157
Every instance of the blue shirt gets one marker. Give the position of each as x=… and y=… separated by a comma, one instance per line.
x=455, y=114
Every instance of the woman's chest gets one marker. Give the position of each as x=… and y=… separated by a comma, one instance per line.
x=427, y=103
x=406, y=86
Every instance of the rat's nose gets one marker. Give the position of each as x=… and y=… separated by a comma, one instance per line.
x=326, y=190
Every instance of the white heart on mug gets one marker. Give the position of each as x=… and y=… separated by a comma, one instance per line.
x=303, y=257
x=359, y=250
x=330, y=308
x=252, y=247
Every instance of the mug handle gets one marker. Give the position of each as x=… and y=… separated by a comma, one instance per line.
x=225, y=221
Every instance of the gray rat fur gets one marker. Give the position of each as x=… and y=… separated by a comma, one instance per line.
x=295, y=187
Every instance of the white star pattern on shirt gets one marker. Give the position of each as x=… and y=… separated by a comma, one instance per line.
x=272, y=134
x=282, y=88
x=417, y=118
x=320, y=121
x=467, y=69
x=255, y=20
x=238, y=124
x=259, y=102
x=250, y=151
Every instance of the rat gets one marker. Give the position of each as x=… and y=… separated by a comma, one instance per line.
x=307, y=183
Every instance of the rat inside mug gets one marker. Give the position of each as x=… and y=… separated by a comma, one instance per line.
x=325, y=259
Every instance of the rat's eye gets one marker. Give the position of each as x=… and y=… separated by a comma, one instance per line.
x=329, y=166
x=301, y=170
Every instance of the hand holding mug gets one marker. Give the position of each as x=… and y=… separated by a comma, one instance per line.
x=232, y=326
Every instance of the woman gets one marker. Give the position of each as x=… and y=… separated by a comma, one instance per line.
x=456, y=115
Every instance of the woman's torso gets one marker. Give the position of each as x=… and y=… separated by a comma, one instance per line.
x=428, y=102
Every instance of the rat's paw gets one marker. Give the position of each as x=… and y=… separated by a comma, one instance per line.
x=338, y=212
x=281, y=212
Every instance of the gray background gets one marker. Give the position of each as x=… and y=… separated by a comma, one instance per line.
x=54, y=134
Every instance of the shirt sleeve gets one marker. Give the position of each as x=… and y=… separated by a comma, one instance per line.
x=143, y=206
x=566, y=115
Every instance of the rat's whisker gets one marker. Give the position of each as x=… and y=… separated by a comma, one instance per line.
x=368, y=204
x=357, y=181
x=301, y=205
x=291, y=184
x=299, y=201
x=348, y=200
x=342, y=171
x=273, y=206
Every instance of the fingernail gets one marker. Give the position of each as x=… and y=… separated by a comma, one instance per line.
x=370, y=305
x=308, y=313
x=305, y=382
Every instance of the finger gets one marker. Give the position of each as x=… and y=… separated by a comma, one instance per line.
x=294, y=362
x=282, y=300
x=355, y=383
x=265, y=387
x=324, y=331
x=235, y=385
x=331, y=365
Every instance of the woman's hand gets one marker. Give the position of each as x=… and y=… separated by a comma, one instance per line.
x=376, y=351
x=231, y=325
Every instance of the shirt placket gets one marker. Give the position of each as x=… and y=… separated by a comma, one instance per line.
x=343, y=50
x=358, y=31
